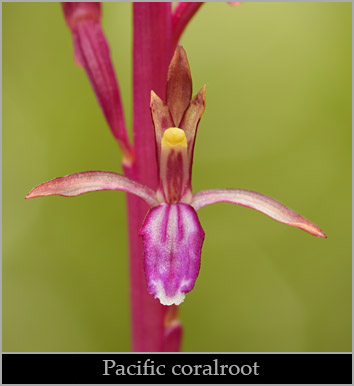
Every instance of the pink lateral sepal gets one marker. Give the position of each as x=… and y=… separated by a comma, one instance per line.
x=172, y=241
x=257, y=201
x=92, y=181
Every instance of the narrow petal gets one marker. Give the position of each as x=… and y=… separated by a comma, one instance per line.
x=179, y=85
x=260, y=202
x=181, y=16
x=191, y=119
x=162, y=119
x=79, y=183
x=92, y=52
x=173, y=239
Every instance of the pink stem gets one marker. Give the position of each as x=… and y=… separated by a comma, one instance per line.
x=152, y=52
x=180, y=18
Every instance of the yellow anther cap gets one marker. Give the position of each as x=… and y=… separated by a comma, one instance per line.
x=174, y=137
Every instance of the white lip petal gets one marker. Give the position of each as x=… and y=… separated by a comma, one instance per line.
x=172, y=239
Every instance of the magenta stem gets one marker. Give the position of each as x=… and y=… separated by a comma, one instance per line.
x=152, y=52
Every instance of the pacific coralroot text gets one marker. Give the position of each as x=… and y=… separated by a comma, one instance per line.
x=149, y=367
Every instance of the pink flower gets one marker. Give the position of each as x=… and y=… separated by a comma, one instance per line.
x=171, y=232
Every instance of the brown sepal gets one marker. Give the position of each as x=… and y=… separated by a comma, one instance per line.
x=179, y=85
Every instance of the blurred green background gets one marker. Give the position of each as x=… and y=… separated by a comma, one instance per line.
x=278, y=121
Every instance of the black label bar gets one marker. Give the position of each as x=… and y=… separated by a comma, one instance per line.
x=177, y=368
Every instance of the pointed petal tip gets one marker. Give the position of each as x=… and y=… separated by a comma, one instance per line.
x=154, y=98
x=180, y=51
x=316, y=232
x=40, y=191
x=307, y=226
x=31, y=195
x=311, y=229
x=199, y=98
x=178, y=62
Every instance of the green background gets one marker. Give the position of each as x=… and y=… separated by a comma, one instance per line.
x=278, y=121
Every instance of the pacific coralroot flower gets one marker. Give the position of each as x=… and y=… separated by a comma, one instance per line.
x=171, y=233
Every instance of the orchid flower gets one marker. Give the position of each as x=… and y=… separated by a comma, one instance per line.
x=171, y=232
x=162, y=219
